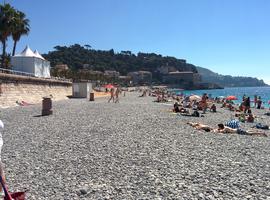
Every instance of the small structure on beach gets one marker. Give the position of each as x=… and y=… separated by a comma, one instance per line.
x=31, y=63
x=81, y=89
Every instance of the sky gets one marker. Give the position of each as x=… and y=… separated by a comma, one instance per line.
x=229, y=37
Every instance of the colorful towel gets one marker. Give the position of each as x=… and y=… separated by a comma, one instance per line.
x=232, y=123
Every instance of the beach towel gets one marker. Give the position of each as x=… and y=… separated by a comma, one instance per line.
x=232, y=123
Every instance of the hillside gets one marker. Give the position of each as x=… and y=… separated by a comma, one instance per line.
x=227, y=80
x=84, y=57
x=79, y=57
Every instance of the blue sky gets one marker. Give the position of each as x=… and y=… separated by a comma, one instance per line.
x=228, y=37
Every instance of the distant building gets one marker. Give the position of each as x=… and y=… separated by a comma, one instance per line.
x=112, y=73
x=141, y=77
x=86, y=66
x=163, y=69
x=186, y=77
x=31, y=63
x=61, y=67
x=166, y=69
x=125, y=79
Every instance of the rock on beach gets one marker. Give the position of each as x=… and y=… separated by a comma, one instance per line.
x=134, y=149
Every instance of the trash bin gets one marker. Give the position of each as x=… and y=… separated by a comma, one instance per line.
x=92, y=96
x=46, y=106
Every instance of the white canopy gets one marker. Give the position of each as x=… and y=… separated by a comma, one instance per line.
x=27, y=52
x=31, y=62
x=38, y=55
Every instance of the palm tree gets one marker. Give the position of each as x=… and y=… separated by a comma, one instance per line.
x=20, y=27
x=7, y=13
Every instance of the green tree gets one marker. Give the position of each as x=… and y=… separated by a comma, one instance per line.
x=7, y=13
x=20, y=27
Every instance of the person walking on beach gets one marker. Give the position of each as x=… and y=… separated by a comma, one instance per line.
x=117, y=92
x=112, y=95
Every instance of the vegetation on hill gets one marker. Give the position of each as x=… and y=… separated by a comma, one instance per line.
x=83, y=60
x=227, y=80
x=83, y=57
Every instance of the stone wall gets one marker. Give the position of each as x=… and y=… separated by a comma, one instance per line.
x=31, y=90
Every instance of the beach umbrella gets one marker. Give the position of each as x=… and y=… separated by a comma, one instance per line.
x=231, y=98
x=195, y=98
x=109, y=86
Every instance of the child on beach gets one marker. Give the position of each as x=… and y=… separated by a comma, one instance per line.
x=213, y=108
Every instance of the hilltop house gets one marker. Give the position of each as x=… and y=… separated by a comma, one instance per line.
x=141, y=77
x=181, y=78
x=112, y=73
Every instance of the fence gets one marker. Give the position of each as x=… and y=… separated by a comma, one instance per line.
x=9, y=71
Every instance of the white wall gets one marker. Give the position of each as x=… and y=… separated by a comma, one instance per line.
x=36, y=66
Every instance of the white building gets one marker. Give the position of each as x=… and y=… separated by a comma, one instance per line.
x=81, y=90
x=31, y=62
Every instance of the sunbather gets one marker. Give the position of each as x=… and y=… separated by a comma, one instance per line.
x=225, y=129
x=200, y=126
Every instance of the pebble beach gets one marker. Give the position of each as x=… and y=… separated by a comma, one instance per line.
x=135, y=149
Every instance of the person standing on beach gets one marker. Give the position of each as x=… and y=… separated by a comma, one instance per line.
x=1, y=144
x=112, y=95
x=259, y=103
x=255, y=100
x=247, y=104
x=204, y=103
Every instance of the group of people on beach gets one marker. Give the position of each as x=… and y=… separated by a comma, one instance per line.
x=221, y=128
x=114, y=95
x=191, y=105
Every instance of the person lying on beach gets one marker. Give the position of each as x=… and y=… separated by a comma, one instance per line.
x=200, y=126
x=225, y=129
x=194, y=114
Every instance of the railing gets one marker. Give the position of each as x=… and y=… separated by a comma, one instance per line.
x=10, y=71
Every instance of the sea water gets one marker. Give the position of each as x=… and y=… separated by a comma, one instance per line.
x=239, y=92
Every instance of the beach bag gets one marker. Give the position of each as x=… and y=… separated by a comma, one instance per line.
x=11, y=196
x=260, y=126
x=232, y=123
x=268, y=113
x=196, y=114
